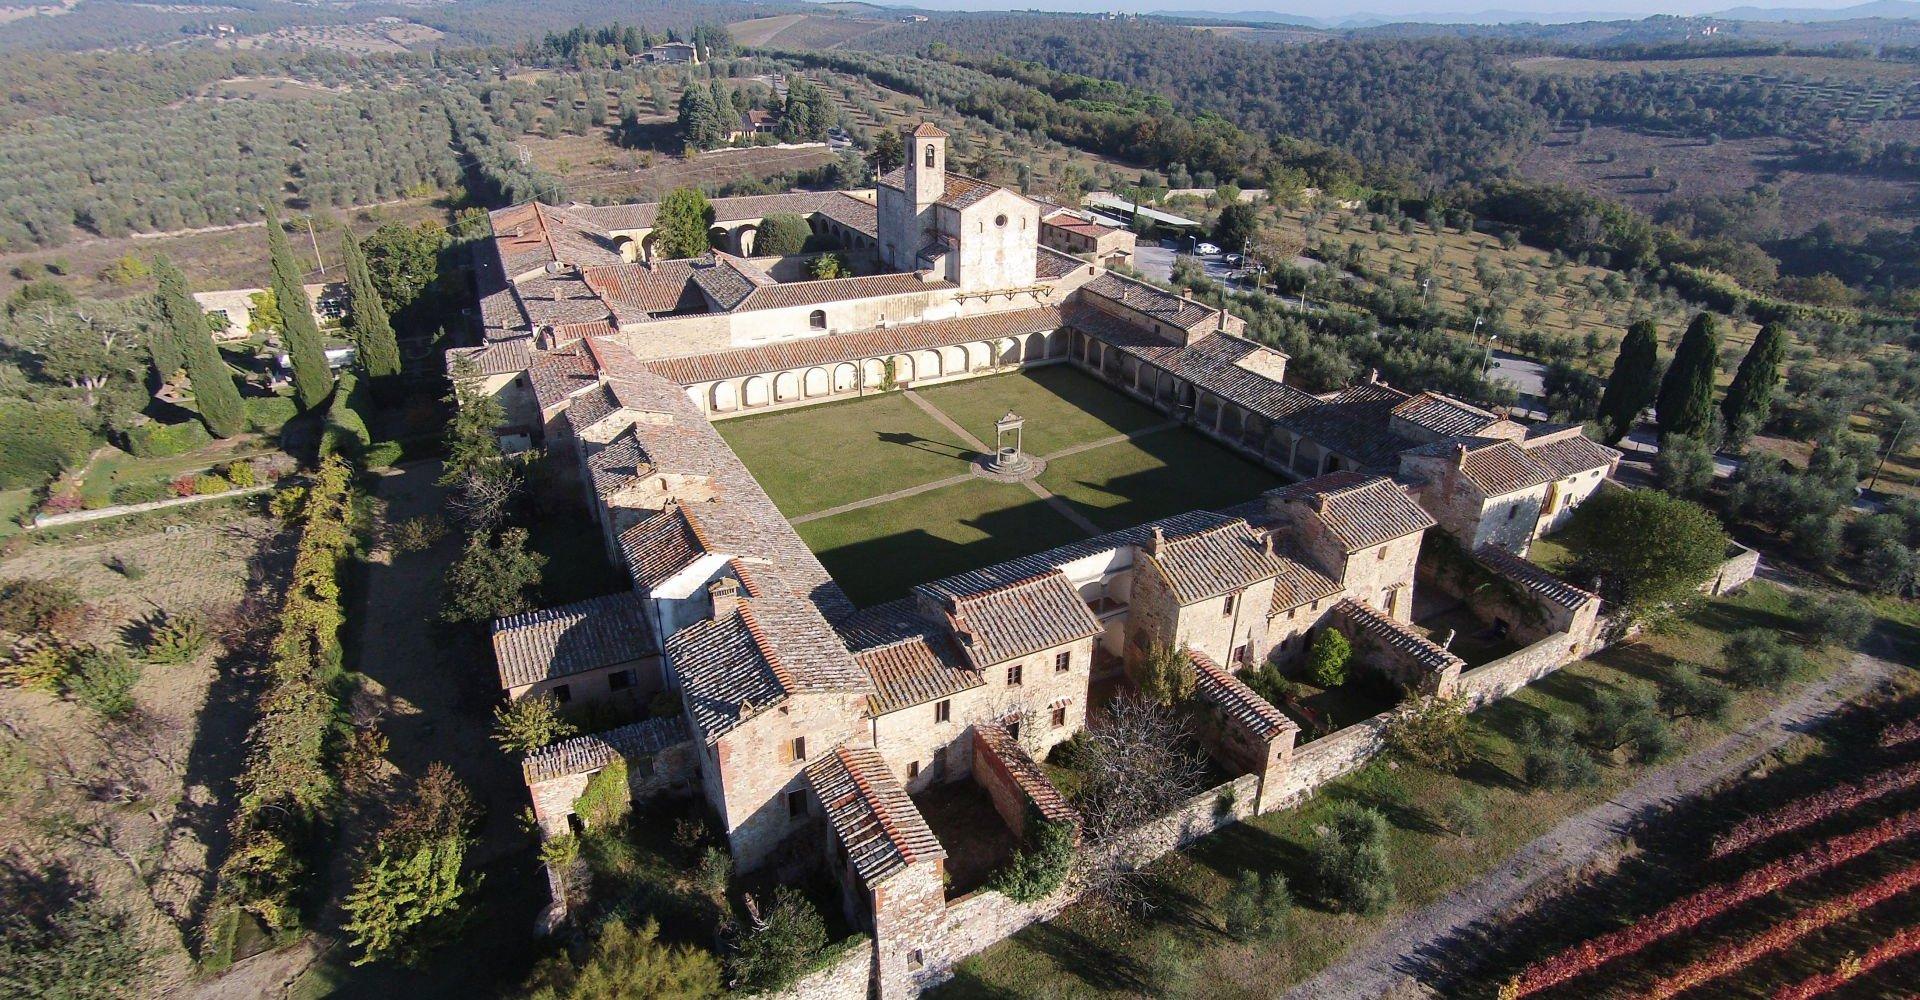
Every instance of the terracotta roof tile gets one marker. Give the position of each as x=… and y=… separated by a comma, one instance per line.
x=586, y=635
x=838, y=347
x=1572, y=455
x=870, y=813
x=1395, y=635
x=1361, y=511
x=593, y=752
x=1532, y=578
x=1028, y=776
x=1219, y=687
x=1026, y=616
x=1220, y=558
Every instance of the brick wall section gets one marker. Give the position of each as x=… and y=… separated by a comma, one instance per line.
x=1017, y=785
x=909, y=913
x=845, y=979
x=1404, y=654
x=1240, y=728
x=1493, y=681
x=1740, y=567
x=1330, y=757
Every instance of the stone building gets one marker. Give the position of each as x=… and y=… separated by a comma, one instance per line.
x=809, y=726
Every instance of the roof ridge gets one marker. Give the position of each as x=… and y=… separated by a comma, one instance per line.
x=767, y=652
x=882, y=810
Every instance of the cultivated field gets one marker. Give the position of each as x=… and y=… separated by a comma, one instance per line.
x=804, y=31
x=883, y=492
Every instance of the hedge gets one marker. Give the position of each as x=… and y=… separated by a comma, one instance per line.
x=147, y=492
x=345, y=431
x=267, y=414
x=37, y=441
x=157, y=440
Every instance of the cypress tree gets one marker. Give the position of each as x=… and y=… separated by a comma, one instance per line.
x=1751, y=393
x=379, y=354
x=1685, y=404
x=1633, y=382
x=183, y=324
x=164, y=349
x=312, y=380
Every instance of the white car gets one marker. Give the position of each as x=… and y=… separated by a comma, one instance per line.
x=1206, y=250
x=1234, y=259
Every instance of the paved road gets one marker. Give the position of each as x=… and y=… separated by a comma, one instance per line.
x=1439, y=941
x=1527, y=376
x=1156, y=262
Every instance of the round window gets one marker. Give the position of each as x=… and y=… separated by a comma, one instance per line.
x=1000, y=220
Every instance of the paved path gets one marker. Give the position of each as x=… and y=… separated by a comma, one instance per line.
x=1433, y=943
x=1060, y=506
x=937, y=484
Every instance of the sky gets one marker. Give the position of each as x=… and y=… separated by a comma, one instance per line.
x=1337, y=9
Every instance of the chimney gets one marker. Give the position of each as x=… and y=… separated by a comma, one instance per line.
x=1373, y=376
x=1266, y=544
x=1459, y=455
x=725, y=594
x=1223, y=319
x=1156, y=537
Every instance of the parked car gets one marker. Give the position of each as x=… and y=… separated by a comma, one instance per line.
x=1234, y=259
x=1206, y=250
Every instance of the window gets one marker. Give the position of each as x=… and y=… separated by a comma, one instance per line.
x=796, y=803
x=1000, y=221
x=563, y=693
x=1381, y=553
x=1013, y=729
x=1226, y=606
x=799, y=748
x=913, y=769
x=1059, y=717
x=943, y=712
x=817, y=319
x=929, y=155
x=916, y=959
x=620, y=680
x=1013, y=675
x=1240, y=654
x=1063, y=662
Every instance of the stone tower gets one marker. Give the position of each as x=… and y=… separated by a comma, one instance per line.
x=926, y=177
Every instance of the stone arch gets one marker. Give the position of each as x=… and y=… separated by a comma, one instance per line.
x=927, y=363
x=725, y=397
x=629, y=249
x=648, y=246
x=902, y=368
x=717, y=237
x=1006, y=351
x=844, y=377
x=953, y=359
x=979, y=355
x=876, y=370
x=817, y=383
x=1036, y=347
x=755, y=391
x=786, y=386
x=745, y=237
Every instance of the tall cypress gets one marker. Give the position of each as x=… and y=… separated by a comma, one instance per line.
x=1751, y=393
x=378, y=352
x=164, y=349
x=213, y=390
x=312, y=380
x=1685, y=404
x=1635, y=378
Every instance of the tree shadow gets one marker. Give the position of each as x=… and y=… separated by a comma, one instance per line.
x=908, y=439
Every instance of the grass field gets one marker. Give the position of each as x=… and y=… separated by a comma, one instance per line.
x=1181, y=948
x=864, y=450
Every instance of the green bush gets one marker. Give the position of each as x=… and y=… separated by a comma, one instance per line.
x=1550, y=757
x=37, y=441
x=345, y=431
x=384, y=453
x=1685, y=692
x=146, y=492
x=1041, y=864
x=102, y=680
x=1756, y=658
x=1257, y=908
x=607, y=801
x=1465, y=814
x=158, y=440
x=770, y=956
x=1835, y=619
x=1327, y=660
x=1628, y=719
x=28, y=606
x=268, y=414
x=240, y=474
x=1349, y=861
x=208, y=484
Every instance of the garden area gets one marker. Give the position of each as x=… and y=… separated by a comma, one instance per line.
x=884, y=496
x=1267, y=903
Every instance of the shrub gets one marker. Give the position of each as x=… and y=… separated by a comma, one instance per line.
x=38, y=440
x=713, y=872
x=158, y=440
x=607, y=801
x=1269, y=683
x=182, y=486
x=102, y=680
x=1551, y=758
x=1466, y=813
x=40, y=606
x=147, y=492
x=1163, y=674
x=1257, y=908
x=531, y=723
x=175, y=638
x=268, y=414
x=240, y=474
x=36, y=668
x=1349, y=861
x=1431, y=733
x=1628, y=719
x=1688, y=693
x=1835, y=619
x=1040, y=865
x=776, y=947
x=1327, y=660
x=1756, y=658
x=208, y=484
x=626, y=960
x=383, y=454
x=417, y=534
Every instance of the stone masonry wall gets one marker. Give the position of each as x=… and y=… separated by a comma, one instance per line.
x=1493, y=681
x=845, y=979
x=1735, y=572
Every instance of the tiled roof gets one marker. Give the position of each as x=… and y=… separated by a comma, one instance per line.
x=660, y=545
x=1033, y=781
x=559, y=374
x=813, y=293
x=911, y=661
x=1218, y=362
x=928, y=130
x=1230, y=694
x=987, y=579
x=1011, y=621
x=871, y=815
x=1221, y=558
x=591, y=753
x=533, y=235
x=960, y=190
x=1532, y=578
x=854, y=213
x=1354, y=422
x=587, y=635
x=500, y=357
x=726, y=674
x=591, y=407
x=838, y=347
x=728, y=281
x=559, y=299
x=1572, y=455
x=1496, y=467
x=1361, y=511
x=1444, y=415
x=660, y=287
x=1149, y=300
x=1050, y=264
x=1300, y=583
x=1395, y=635
x=757, y=206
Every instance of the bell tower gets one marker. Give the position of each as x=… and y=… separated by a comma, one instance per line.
x=926, y=177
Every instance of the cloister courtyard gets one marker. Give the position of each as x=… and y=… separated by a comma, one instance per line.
x=883, y=489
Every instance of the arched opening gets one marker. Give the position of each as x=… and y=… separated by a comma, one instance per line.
x=629, y=250
x=902, y=368
x=755, y=391
x=786, y=386
x=717, y=237
x=844, y=376
x=647, y=247
x=1036, y=346
x=816, y=383
x=817, y=319
x=927, y=363
x=725, y=397
x=748, y=236
x=953, y=359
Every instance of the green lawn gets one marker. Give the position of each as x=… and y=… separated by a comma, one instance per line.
x=12, y=504
x=1168, y=472
x=114, y=468
x=879, y=553
x=823, y=456
x=1063, y=406
x=1181, y=948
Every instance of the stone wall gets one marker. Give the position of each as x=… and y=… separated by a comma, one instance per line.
x=846, y=978
x=1330, y=757
x=1742, y=563
x=1493, y=681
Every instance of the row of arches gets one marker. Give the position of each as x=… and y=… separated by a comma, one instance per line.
x=820, y=381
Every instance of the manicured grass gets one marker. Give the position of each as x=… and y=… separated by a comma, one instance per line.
x=1181, y=948
x=1175, y=470
x=878, y=553
x=12, y=503
x=1063, y=406
x=823, y=456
